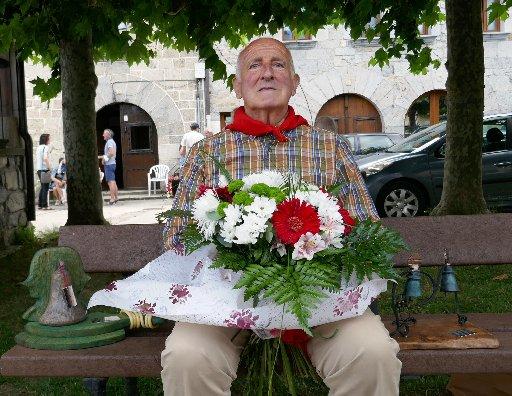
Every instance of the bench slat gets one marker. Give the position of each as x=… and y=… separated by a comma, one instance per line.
x=119, y=248
x=470, y=240
x=140, y=356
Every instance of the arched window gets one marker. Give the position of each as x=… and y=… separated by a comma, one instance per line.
x=428, y=109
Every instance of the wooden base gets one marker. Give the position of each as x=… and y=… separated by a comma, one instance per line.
x=439, y=334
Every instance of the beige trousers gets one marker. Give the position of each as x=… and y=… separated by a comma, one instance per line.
x=359, y=360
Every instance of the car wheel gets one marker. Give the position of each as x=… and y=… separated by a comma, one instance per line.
x=401, y=199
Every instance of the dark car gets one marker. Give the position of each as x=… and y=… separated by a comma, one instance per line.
x=368, y=143
x=407, y=178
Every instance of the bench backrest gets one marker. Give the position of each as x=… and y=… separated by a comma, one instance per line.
x=474, y=239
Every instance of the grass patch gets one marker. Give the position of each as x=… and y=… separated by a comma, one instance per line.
x=484, y=289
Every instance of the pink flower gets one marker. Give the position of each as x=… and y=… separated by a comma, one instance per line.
x=179, y=294
x=349, y=301
x=241, y=319
x=307, y=245
x=145, y=307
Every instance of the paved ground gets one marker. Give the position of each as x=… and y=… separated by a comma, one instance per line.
x=124, y=212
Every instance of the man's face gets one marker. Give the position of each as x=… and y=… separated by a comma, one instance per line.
x=266, y=80
x=106, y=135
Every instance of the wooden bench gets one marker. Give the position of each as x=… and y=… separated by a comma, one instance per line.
x=471, y=240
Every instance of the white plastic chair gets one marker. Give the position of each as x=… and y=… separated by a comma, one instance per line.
x=157, y=173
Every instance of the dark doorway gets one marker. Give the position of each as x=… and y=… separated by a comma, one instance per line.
x=136, y=139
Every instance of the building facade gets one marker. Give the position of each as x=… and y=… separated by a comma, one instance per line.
x=149, y=107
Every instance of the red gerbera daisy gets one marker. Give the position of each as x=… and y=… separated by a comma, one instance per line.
x=294, y=218
x=347, y=220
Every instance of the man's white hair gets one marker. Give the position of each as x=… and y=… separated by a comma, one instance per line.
x=110, y=132
x=239, y=59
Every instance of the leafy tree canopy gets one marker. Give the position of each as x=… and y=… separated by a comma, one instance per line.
x=38, y=27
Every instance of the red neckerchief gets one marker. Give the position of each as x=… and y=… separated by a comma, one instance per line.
x=245, y=124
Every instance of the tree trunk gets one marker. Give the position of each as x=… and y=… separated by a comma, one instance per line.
x=79, y=83
x=462, y=184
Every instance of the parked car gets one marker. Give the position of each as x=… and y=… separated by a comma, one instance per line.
x=407, y=178
x=368, y=143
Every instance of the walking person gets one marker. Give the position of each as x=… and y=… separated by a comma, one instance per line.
x=188, y=140
x=43, y=170
x=109, y=161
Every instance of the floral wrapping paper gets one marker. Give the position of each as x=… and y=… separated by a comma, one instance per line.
x=185, y=289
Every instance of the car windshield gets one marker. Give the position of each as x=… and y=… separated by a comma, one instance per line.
x=418, y=139
x=373, y=143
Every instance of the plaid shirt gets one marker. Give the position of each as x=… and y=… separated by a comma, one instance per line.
x=320, y=157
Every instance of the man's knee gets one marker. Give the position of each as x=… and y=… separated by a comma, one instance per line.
x=184, y=356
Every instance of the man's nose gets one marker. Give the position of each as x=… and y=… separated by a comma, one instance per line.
x=267, y=72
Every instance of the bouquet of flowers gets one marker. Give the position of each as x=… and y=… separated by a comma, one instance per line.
x=290, y=240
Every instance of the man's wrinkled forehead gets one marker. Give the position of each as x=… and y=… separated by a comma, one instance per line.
x=260, y=47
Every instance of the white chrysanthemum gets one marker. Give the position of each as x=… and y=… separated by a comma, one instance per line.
x=245, y=234
x=233, y=215
x=223, y=182
x=257, y=224
x=262, y=207
x=269, y=177
x=204, y=211
x=307, y=246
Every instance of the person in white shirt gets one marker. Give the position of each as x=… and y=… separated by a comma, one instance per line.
x=43, y=169
x=109, y=162
x=188, y=140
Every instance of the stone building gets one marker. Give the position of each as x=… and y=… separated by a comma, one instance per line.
x=151, y=106
x=16, y=182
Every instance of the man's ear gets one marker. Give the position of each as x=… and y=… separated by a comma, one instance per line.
x=237, y=86
x=296, y=82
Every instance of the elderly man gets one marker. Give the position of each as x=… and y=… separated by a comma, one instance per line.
x=266, y=134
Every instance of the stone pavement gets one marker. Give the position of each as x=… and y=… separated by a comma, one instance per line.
x=141, y=211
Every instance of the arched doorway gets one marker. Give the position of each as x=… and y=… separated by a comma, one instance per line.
x=136, y=138
x=428, y=109
x=349, y=113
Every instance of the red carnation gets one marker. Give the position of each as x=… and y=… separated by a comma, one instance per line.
x=224, y=194
x=347, y=220
x=294, y=218
x=202, y=189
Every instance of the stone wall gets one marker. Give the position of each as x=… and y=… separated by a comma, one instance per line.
x=12, y=198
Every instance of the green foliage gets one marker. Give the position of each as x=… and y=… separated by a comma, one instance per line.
x=242, y=198
x=369, y=248
x=40, y=28
x=192, y=238
x=25, y=236
x=235, y=185
x=499, y=10
x=163, y=216
x=270, y=192
x=220, y=209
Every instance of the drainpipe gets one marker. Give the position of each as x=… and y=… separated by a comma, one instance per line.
x=199, y=75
